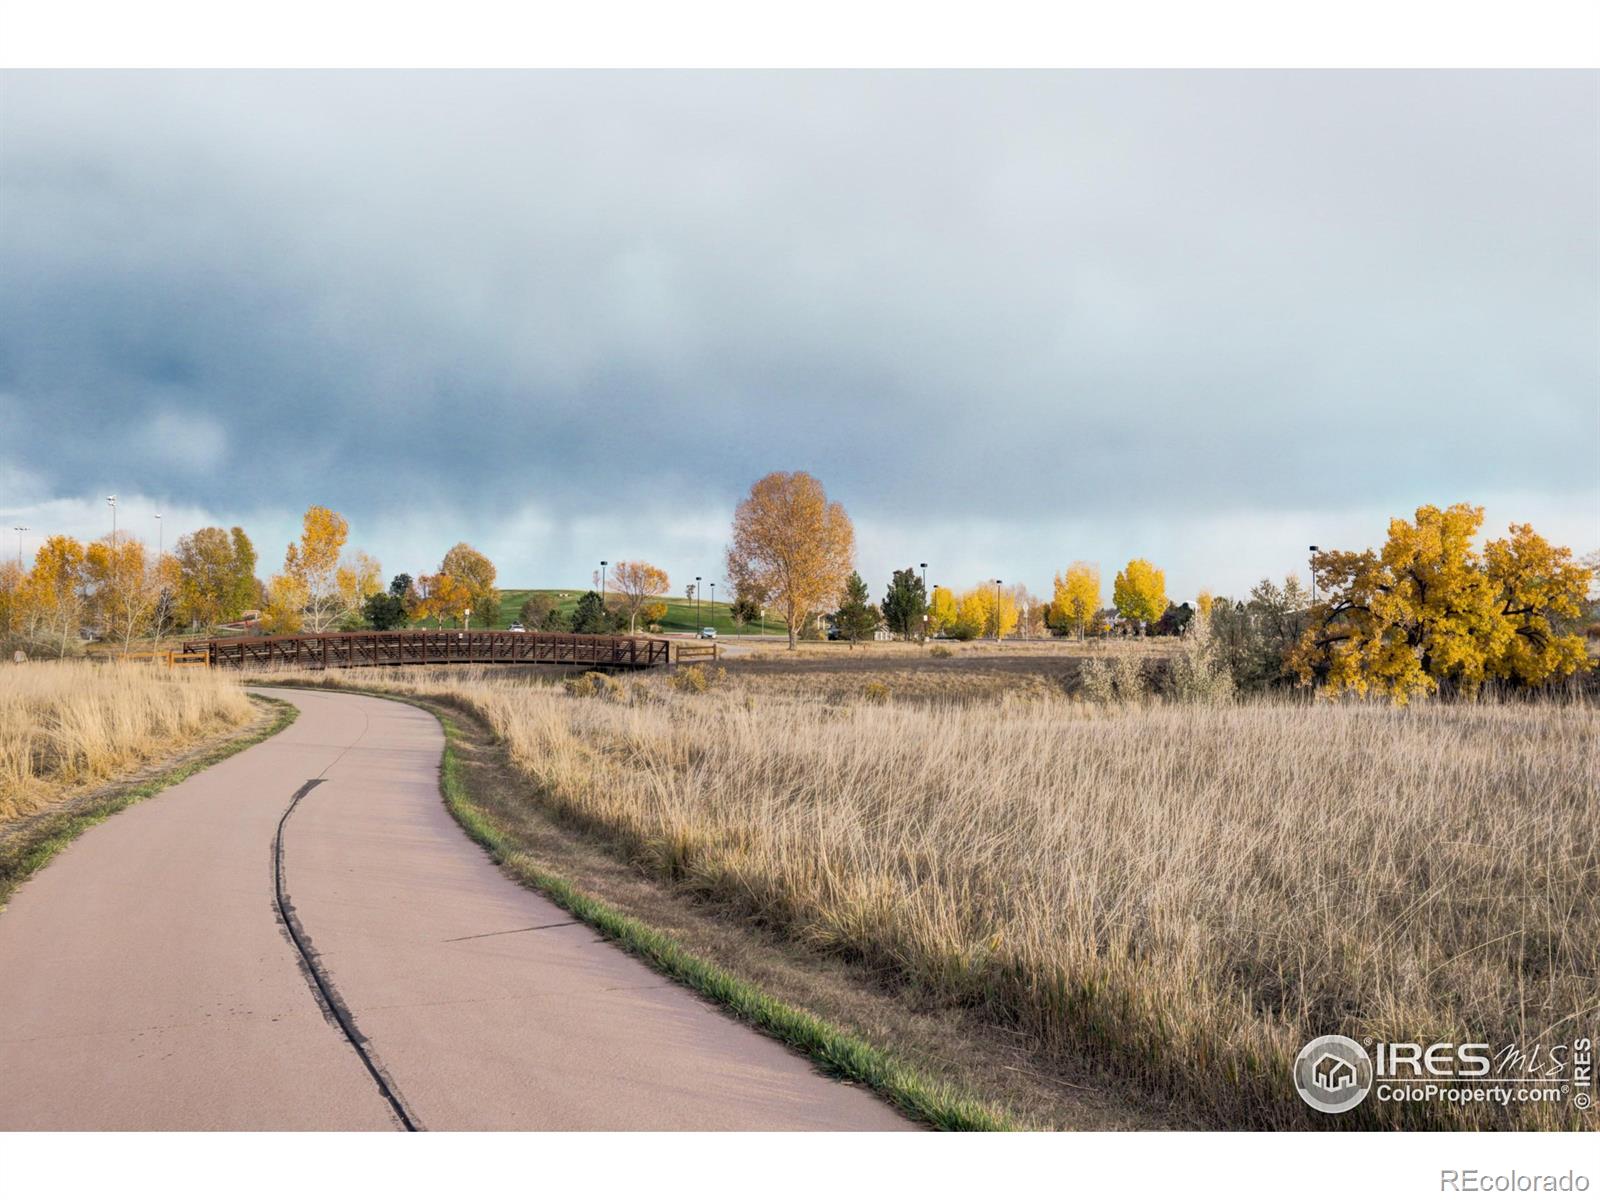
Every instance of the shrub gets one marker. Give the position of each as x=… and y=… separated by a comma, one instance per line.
x=1096, y=681
x=1199, y=673
x=596, y=683
x=876, y=692
x=939, y=652
x=1128, y=675
x=583, y=685
x=691, y=679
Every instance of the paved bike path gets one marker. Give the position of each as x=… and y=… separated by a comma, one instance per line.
x=149, y=979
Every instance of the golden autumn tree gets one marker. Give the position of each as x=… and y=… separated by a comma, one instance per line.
x=311, y=566
x=472, y=571
x=1429, y=611
x=791, y=544
x=358, y=577
x=124, y=585
x=286, y=604
x=443, y=596
x=1140, y=591
x=1076, y=598
x=982, y=613
x=639, y=583
x=13, y=614
x=972, y=613
x=1203, y=603
x=56, y=589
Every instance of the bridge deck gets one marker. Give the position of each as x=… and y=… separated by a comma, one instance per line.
x=415, y=647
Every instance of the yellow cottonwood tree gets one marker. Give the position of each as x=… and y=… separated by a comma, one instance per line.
x=472, y=571
x=1429, y=611
x=12, y=612
x=125, y=585
x=312, y=563
x=56, y=587
x=1076, y=598
x=980, y=614
x=286, y=604
x=1140, y=591
x=443, y=596
x=792, y=545
x=942, y=611
x=357, y=578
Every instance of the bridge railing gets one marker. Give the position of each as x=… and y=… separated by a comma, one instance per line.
x=422, y=647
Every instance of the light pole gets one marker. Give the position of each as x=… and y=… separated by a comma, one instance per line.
x=697, y=626
x=161, y=538
x=713, y=599
x=603, y=565
x=924, y=567
x=467, y=613
x=997, y=610
x=1313, y=564
x=112, y=501
x=763, y=620
x=19, y=530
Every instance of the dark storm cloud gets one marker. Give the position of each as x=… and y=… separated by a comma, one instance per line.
x=1010, y=294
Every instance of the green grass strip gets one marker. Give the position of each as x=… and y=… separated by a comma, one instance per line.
x=47, y=837
x=842, y=1053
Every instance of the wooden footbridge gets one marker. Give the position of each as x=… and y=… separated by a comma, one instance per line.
x=423, y=647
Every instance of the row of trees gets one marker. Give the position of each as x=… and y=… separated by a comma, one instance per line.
x=1428, y=612
x=995, y=610
x=792, y=550
x=117, y=589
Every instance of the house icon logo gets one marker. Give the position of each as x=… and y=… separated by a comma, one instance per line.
x=1333, y=1074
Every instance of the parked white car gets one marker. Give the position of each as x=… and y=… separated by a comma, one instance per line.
x=707, y=632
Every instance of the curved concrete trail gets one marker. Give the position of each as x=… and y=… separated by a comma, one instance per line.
x=148, y=979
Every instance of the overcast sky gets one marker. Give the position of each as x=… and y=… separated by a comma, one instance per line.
x=1010, y=320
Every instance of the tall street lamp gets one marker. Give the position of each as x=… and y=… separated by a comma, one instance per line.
x=697, y=625
x=19, y=530
x=713, y=599
x=997, y=610
x=924, y=567
x=112, y=501
x=603, y=565
x=1313, y=564
x=161, y=537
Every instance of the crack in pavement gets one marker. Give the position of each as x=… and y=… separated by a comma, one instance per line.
x=525, y=929
x=327, y=995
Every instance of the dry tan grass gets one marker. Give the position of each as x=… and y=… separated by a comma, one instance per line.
x=65, y=725
x=766, y=649
x=1187, y=894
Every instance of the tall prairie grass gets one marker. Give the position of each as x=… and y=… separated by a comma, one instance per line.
x=66, y=725
x=1183, y=895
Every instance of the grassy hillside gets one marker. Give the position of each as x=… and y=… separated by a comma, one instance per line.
x=680, y=616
